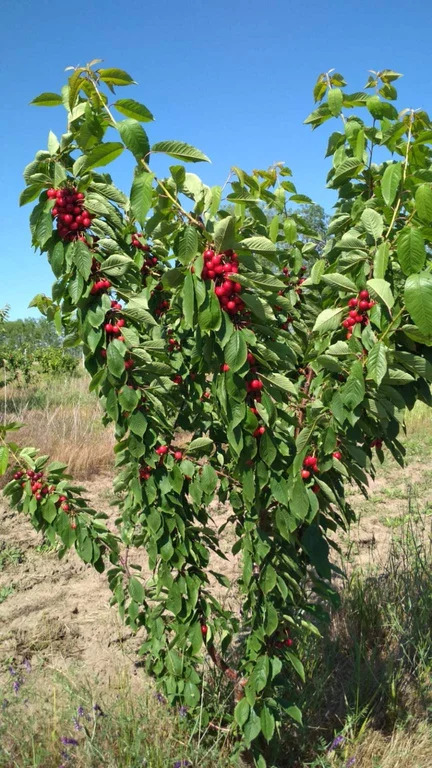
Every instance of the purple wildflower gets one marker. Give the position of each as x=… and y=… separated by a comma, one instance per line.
x=12, y=671
x=337, y=742
x=183, y=711
x=161, y=699
x=182, y=764
x=16, y=685
x=67, y=741
x=27, y=666
x=76, y=724
x=97, y=710
x=350, y=762
x=80, y=712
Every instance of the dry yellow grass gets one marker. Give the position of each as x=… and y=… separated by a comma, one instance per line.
x=403, y=749
x=61, y=418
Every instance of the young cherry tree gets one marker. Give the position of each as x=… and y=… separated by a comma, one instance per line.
x=232, y=373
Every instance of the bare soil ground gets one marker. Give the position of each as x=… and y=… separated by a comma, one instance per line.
x=60, y=611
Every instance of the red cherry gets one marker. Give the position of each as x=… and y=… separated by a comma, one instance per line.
x=315, y=488
x=225, y=367
x=305, y=474
x=337, y=455
x=109, y=328
x=352, y=303
x=259, y=431
x=364, y=295
x=162, y=450
x=250, y=358
x=288, y=642
x=310, y=461
x=86, y=223
x=256, y=384
x=204, y=629
x=363, y=304
x=346, y=323
x=353, y=313
x=65, y=507
x=208, y=254
x=231, y=306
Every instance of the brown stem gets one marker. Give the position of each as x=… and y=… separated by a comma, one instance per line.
x=229, y=672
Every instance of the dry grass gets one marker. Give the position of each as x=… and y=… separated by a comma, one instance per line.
x=403, y=749
x=62, y=419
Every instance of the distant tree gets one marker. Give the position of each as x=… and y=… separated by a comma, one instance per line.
x=30, y=333
x=313, y=216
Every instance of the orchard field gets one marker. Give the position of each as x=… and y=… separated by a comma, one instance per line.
x=215, y=545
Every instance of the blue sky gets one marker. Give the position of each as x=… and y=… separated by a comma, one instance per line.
x=232, y=77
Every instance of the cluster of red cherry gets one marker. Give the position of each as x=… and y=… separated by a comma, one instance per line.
x=164, y=449
x=216, y=267
x=100, y=286
x=359, y=307
x=68, y=209
x=150, y=260
x=253, y=388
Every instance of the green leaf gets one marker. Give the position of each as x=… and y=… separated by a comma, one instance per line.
x=136, y=590
x=199, y=443
x=411, y=250
x=235, y=352
x=4, y=458
x=382, y=290
x=340, y=281
x=295, y=661
x=187, y=245
x=252, y=727
x=43, y=229
x=377, y=362
x=180, y=151
x=29, y=193
x=381, y=260
x=259, y=244
x=349, y=169
x=290, y=231
x=241, y=711
x=353, y=391
x=115, y=360
x=137, y=309
x=373, y=223
x=329, y=319
x=295, y=713
x=268, y=579
x=134, y=110
x=57, y=259
x=102, y=154
x=47, y=100
x=267, y=723
x=81, y=257
x=116, y=265
x=390, y=182
x=335, y=101
x=115, y=77
x=418, y=300
x=135, y=138
x=188, y=296
x=224, y=234
x=141, y=196
x=281, y=382
x=423, y=201
x=191, y=694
